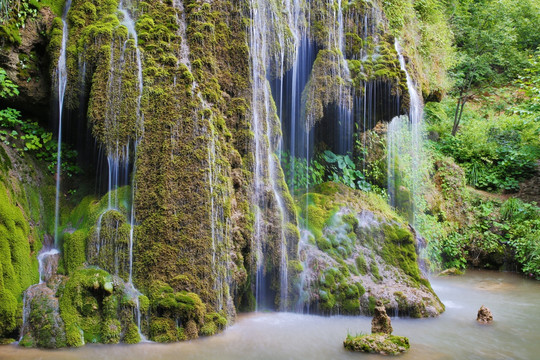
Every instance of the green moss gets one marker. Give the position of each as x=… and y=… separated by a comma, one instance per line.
x=14, y=246
x=163, y=330
x=208, y=329
x=80, y=307
x=111, y=331
x=375, y=272
x=377, y=343
x=74, y=250
x=144, y=303
x=361, y=264
x=398, y=249
x=372, y=303
x=131, y=335
x=8, y=312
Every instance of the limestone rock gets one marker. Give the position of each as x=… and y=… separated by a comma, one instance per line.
x=381, y=322
x=484, y=315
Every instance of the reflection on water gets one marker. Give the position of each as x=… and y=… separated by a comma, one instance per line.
x=514, y=334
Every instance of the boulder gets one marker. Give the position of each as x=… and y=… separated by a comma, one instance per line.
x=484, y=315
x=381, y=322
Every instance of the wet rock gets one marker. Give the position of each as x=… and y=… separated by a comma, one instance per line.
x=48, y=263
x=381, y=322
x=43, y=327
x=484, y=315
x=383, y=344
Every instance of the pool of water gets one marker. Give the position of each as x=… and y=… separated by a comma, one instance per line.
x=515, y=333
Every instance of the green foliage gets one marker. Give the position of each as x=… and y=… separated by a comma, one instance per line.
x=529, y=81
x=300, y=174
x=497, y=151
x=340, y=168
x=325, y=167
x=522, y=230
x=7, y=87
x=13, y=17
x=29, y=136
x=493, y=39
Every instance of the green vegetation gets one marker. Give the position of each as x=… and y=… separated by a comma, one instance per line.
x=325, y=167
x=29, y=136
x=486, y=135
x=498, y=149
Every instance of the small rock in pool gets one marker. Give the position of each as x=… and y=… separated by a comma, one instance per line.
x=384, y=344
x=484, y=315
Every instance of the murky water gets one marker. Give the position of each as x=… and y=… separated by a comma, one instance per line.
x=515, y=333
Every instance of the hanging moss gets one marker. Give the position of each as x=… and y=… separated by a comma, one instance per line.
x=328, y=84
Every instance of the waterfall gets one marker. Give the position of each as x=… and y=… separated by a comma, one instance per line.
x=45, y=264
x=266, y=164
x=129, y=23
x=61, y=72
x=404, y=146
x=118, y=145
x=346, y=128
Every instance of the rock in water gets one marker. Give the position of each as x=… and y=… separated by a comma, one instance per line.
x=383, y=344
x=381, y=321
x=484, y=315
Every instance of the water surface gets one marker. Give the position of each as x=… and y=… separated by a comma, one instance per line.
x=515, y=333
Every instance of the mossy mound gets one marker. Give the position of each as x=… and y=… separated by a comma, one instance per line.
x=44, y=327
x=357, y=250
x=97, y=308
x=383, y=344
x=25, y=215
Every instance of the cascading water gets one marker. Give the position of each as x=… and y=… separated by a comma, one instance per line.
x=46, y=265
x=266, y=166
x=130, y=25
x=404, y=146
x=61, y=72
x=345, y=120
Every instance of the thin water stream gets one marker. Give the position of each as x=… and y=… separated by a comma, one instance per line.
x=512, y=298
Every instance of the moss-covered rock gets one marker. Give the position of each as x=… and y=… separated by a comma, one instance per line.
x=43, y=327
x=383, y=344
x=361, y=251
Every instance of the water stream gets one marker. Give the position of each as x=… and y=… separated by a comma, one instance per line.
x=404, y=146
x=454, y=335
x=266, y=165
x=61, y=72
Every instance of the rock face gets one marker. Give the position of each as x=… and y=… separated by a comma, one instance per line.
x=484, y=315
x=381, y=322
x=27, y=65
